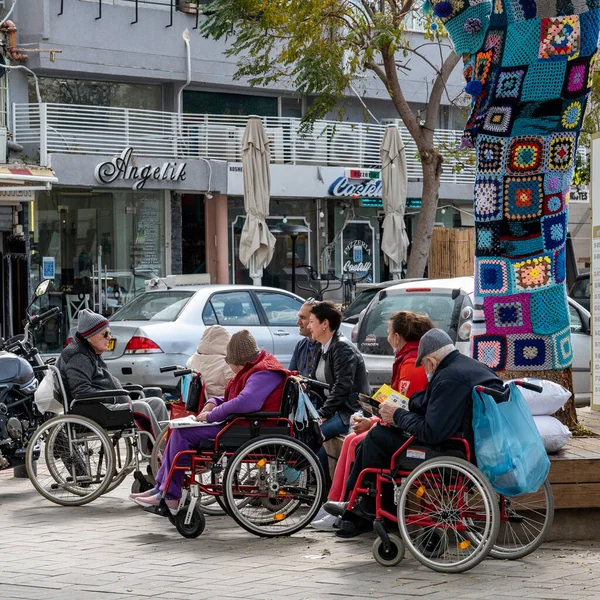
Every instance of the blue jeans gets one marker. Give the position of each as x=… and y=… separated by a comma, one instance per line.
x=330, y=428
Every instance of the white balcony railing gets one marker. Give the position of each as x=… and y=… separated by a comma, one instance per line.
x=74, y=129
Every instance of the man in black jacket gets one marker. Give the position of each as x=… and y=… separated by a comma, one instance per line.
x=83, y=371
x=434, y=415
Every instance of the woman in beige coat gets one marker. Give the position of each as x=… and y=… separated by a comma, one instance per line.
x=209, y=360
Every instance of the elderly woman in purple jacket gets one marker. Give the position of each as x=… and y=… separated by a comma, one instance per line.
x=257, y=385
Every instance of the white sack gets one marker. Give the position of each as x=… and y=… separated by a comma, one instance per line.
x=554, y=434
x=552, y=398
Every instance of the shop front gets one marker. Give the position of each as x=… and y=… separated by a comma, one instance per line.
x=105, y=230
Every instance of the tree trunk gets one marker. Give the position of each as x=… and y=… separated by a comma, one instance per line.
x=566, y=415
x=419, y=252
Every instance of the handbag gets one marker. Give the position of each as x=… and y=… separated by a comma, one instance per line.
x=508, y=447
x=46, y=397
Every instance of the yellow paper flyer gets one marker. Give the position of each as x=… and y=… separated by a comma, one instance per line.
x=387, y=394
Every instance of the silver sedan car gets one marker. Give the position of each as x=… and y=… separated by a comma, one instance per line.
x=163, y=327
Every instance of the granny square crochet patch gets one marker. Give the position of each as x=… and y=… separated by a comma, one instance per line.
x=532, y=273
x=549, y=312
x=498, y=120
x=490, y=154
x=495, y=42
x=510, y=83
x=559, y=39
x=554, y=203
x=554, y=230
x=490, y=350
x=561, y=152
x=525, y=155
x=553, y=182
x=576, y=78
x=487, y=239
x=559, y=265
x=509, y=314
x=523, y=197
x=562, y=349
x=492, y=277
x=488, y=199
x=526, y=351
x=589, y=23
x=572, y=113
x=522, y=43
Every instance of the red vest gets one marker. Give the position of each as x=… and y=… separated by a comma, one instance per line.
x=263, y=362
x=406, y=378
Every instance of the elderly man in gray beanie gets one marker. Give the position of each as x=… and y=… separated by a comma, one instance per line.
x=434, y=415
x=83, y=370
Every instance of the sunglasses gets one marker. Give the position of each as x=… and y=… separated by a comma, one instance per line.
x=107, y=334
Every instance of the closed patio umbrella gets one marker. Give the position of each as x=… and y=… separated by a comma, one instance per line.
x=256, y=242
x=394, y=242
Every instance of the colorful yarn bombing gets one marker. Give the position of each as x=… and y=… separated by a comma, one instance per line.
x=529, y=67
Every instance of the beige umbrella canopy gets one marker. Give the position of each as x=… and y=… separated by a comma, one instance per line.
x=257, y=243
x=394, y=242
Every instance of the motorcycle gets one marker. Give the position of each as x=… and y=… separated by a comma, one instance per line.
x=21, y=369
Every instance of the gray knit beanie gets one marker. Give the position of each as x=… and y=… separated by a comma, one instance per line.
x=90, y=323
x=241, y=348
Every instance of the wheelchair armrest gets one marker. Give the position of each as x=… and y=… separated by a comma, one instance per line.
x=133, y=387
x=91, y=397
x=253, y=415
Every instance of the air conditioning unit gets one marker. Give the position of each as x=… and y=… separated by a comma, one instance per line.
x=309, y=149
x=276, y=139
x=345, y=148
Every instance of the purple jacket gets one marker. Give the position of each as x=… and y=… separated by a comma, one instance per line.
x=251, y=398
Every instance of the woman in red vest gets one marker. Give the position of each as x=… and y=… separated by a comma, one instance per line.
x=405, y=329
x=257, y=385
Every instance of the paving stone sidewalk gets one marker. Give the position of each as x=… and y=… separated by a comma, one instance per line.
x=112, y=550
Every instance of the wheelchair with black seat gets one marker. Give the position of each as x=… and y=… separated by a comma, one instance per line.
x=258, y=471
x=89, y=450
x=448, y=514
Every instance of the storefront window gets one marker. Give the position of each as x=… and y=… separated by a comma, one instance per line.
x=97, y=93
x=102, y=245
x=220, y=103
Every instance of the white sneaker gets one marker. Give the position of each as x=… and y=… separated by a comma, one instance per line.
x=320, y=515
x=327, y=523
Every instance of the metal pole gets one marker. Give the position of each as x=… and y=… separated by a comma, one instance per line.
x=294, y=238
x=99, y=278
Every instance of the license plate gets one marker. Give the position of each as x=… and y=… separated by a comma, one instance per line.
x=111, y=345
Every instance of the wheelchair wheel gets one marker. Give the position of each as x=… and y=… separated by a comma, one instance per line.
x=393, y=556
x=524, y=523
x=196, y=524
x=281, y=480
x=442, y=504
x=79, y=460
x=157, y=451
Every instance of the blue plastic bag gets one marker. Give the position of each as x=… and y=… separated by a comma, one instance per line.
x=508, y=447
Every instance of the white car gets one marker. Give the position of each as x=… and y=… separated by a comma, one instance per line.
x=449, y=304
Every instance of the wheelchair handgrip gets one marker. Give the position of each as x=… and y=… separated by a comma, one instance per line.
x=182, y=372
x=315, y=383
x=39, y=368
x=168, y=368
x=497, y=395
x=529, y=386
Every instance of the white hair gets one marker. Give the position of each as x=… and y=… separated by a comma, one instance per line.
x=440, y=354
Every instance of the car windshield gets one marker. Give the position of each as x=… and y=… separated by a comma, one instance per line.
x=154, y=306
x=581, y=288
x=439, y=307
x=361, y=302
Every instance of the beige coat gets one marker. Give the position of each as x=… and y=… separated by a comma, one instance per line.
x=209, y=360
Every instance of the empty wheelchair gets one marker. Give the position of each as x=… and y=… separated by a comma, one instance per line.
x=74, y=458
x=259, y=472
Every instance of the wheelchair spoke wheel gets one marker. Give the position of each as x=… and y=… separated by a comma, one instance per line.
x=78, y=460
x=393, y=555
x=273, y=486
x=524, y=523
x=448, y=515
x=158, y=450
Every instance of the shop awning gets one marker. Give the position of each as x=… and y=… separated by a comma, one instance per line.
x=25, y=178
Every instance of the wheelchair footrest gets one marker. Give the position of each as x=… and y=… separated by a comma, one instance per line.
x=162, y=510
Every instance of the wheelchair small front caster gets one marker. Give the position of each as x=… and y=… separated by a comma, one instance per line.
x=196, y=525
x=390, y=556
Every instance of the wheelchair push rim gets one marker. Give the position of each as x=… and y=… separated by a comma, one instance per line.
x=78, y=460
x=284, y=481
x=442, y=504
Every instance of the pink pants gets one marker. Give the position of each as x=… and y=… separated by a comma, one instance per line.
x=344, y=464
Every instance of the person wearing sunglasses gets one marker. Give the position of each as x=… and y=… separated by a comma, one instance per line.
x=84, y=371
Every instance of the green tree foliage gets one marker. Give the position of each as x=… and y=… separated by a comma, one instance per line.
x=319, y=47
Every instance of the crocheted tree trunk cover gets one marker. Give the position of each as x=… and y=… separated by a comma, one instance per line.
x=528, y=67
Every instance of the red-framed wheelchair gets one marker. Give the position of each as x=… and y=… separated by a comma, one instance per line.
x=448, y=515
x=256, y=470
